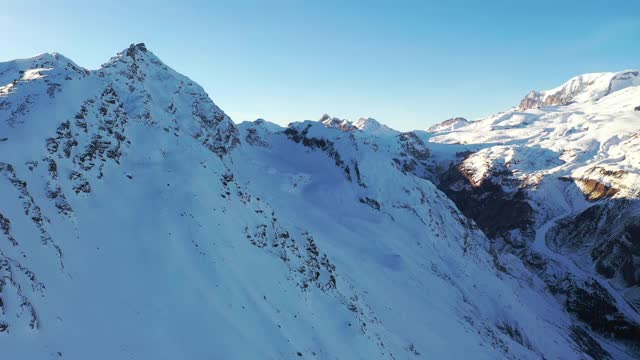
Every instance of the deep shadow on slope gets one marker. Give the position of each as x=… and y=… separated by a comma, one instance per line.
x=495, y=211
x=606, y=231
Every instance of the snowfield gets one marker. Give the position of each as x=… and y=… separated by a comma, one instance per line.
x=595, y=134
x=137, y=221
x=572, y=153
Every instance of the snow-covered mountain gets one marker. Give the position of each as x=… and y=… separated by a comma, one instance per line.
x=567, y=160
x=368, y=125
x=448, y=125
x=138, y=221
x=582, y=89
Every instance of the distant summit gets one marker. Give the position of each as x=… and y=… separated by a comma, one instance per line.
x=368, y=125
x=334, y=122
x=373, y=126
x=582, y=88
x=449, y=125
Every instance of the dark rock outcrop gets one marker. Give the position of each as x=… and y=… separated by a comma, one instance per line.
x=496, y=211
x=413, y=156
x=608, y=234
x=594, y=190
x=324, y=145
x=592, y=303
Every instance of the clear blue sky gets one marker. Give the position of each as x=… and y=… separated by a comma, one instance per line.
x=406, y=63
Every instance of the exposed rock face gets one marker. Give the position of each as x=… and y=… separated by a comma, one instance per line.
x=593, y=304
x=595, y=190
x=597, y=183
x=531, y=101
x=448, y=125
x=181, y=99
x=334, y=122
x=500, y=205
x=413, y=155
x=491, y=190
x=535, y=99
x=609, y=234
x=568, y=157
x=589, y=87
x=588, y=344
x=589, y=301
x=496, y=211
x=301, y=135
x=253, y=137
x=368, y=125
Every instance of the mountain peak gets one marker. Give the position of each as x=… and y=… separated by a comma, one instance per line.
x=365, y=122
x=138, y=46
x=368, y=125
x=134, y=54
x=582, y=88
x=334, y=122
x=44, y=60
x=449, y=125
x=51, y=57
x=372, y=125
x=134, y=49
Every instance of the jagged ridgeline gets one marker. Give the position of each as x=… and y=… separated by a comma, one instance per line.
x=138, y=221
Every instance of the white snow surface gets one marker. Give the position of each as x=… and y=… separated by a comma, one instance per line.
x=138, y=222
x=588, y=134
x=448, y=125
x=596, y=136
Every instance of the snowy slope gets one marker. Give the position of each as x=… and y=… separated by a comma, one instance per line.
x=394, y=233
x=448, y=125
x=568, y=157
x=582, y=89
x=137, y=221
x=595, y=138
